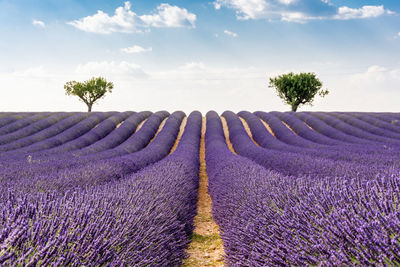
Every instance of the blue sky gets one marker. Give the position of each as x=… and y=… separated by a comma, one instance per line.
x=199, y=55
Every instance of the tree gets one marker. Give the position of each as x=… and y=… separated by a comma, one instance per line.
x=297, y=89
x=89, y=91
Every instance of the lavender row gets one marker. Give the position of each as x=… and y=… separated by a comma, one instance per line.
x=283, y=133
x=51, y=131
x=7, y=118
x=62, y=176
x=34, y=127
x=329, y=131
x=268, y=219
x=143, y=220
x=301, y=129
x=31, y=166
x=68, y=135
x=292, y=163
x=391, y=126
x=101, y=130
x=306, y=132
x=354, y=153
x=352, y=130
x=26, y=121
x=367, y=126
x=119, y=135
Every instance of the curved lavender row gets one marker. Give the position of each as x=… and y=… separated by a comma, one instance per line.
x=352, y=130
x=266, y=140
x=329, y=131
x=12, y=117
x=367, y=127
x=70, y=134
x=136, y=141
x=46, y=133
x=77, y=173
x=58, y=162
x=34, y=127
x=390, y=118
x=100, y=131
x=23, y=122
x=376, y=121
x=267, y=219
x=263, y=137
x=354, y=153
x=289, y=163
x=144, y=220
x=283, y=133
x=117, y=136
x=304, y=131
x=104, y=170
x=393, y=115
x=384, y=116
x=5, y=114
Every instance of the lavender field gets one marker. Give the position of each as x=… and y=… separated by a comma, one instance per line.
x=121, y=188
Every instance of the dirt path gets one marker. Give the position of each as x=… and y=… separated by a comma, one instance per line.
x=290, y=128
x=226, y=133
x=160, y=127
x=206, y=247
x=140, y=125
x=178, y=138
x=248, y=131
x=268, y=127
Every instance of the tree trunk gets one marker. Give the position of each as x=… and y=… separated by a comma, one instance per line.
x=89, y=108
x=294, y=108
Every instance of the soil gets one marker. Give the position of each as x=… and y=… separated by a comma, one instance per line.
x=140, y=125
x=268, y=128
x=178, y=138
x=206, y=248
x=247, y=128
x=289, y=127
x=226, y=133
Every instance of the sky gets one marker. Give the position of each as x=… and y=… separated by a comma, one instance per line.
x=199, y=55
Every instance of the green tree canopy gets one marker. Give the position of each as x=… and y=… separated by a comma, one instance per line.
x=297, y=89
x=89, y=91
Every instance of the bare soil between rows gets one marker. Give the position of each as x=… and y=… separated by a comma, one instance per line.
x=206, y=248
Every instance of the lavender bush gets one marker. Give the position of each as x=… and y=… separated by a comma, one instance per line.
x=144, y=219
x=78, y=189
x=270, y=219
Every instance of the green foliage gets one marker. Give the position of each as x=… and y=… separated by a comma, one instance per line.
x=297, y=89
x=89, y=91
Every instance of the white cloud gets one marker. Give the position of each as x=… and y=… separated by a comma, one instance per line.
x=295, y=17
x=287, y=2
x=233, y=34
x=376, y=78
x=170, y=16
x=345, y=12
x=193, y=66
x=126, y=21
x=33, y=72
x=38, y=23
x=135, y=49
x=110, y=69
x=250, y=9
x=298, y=10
